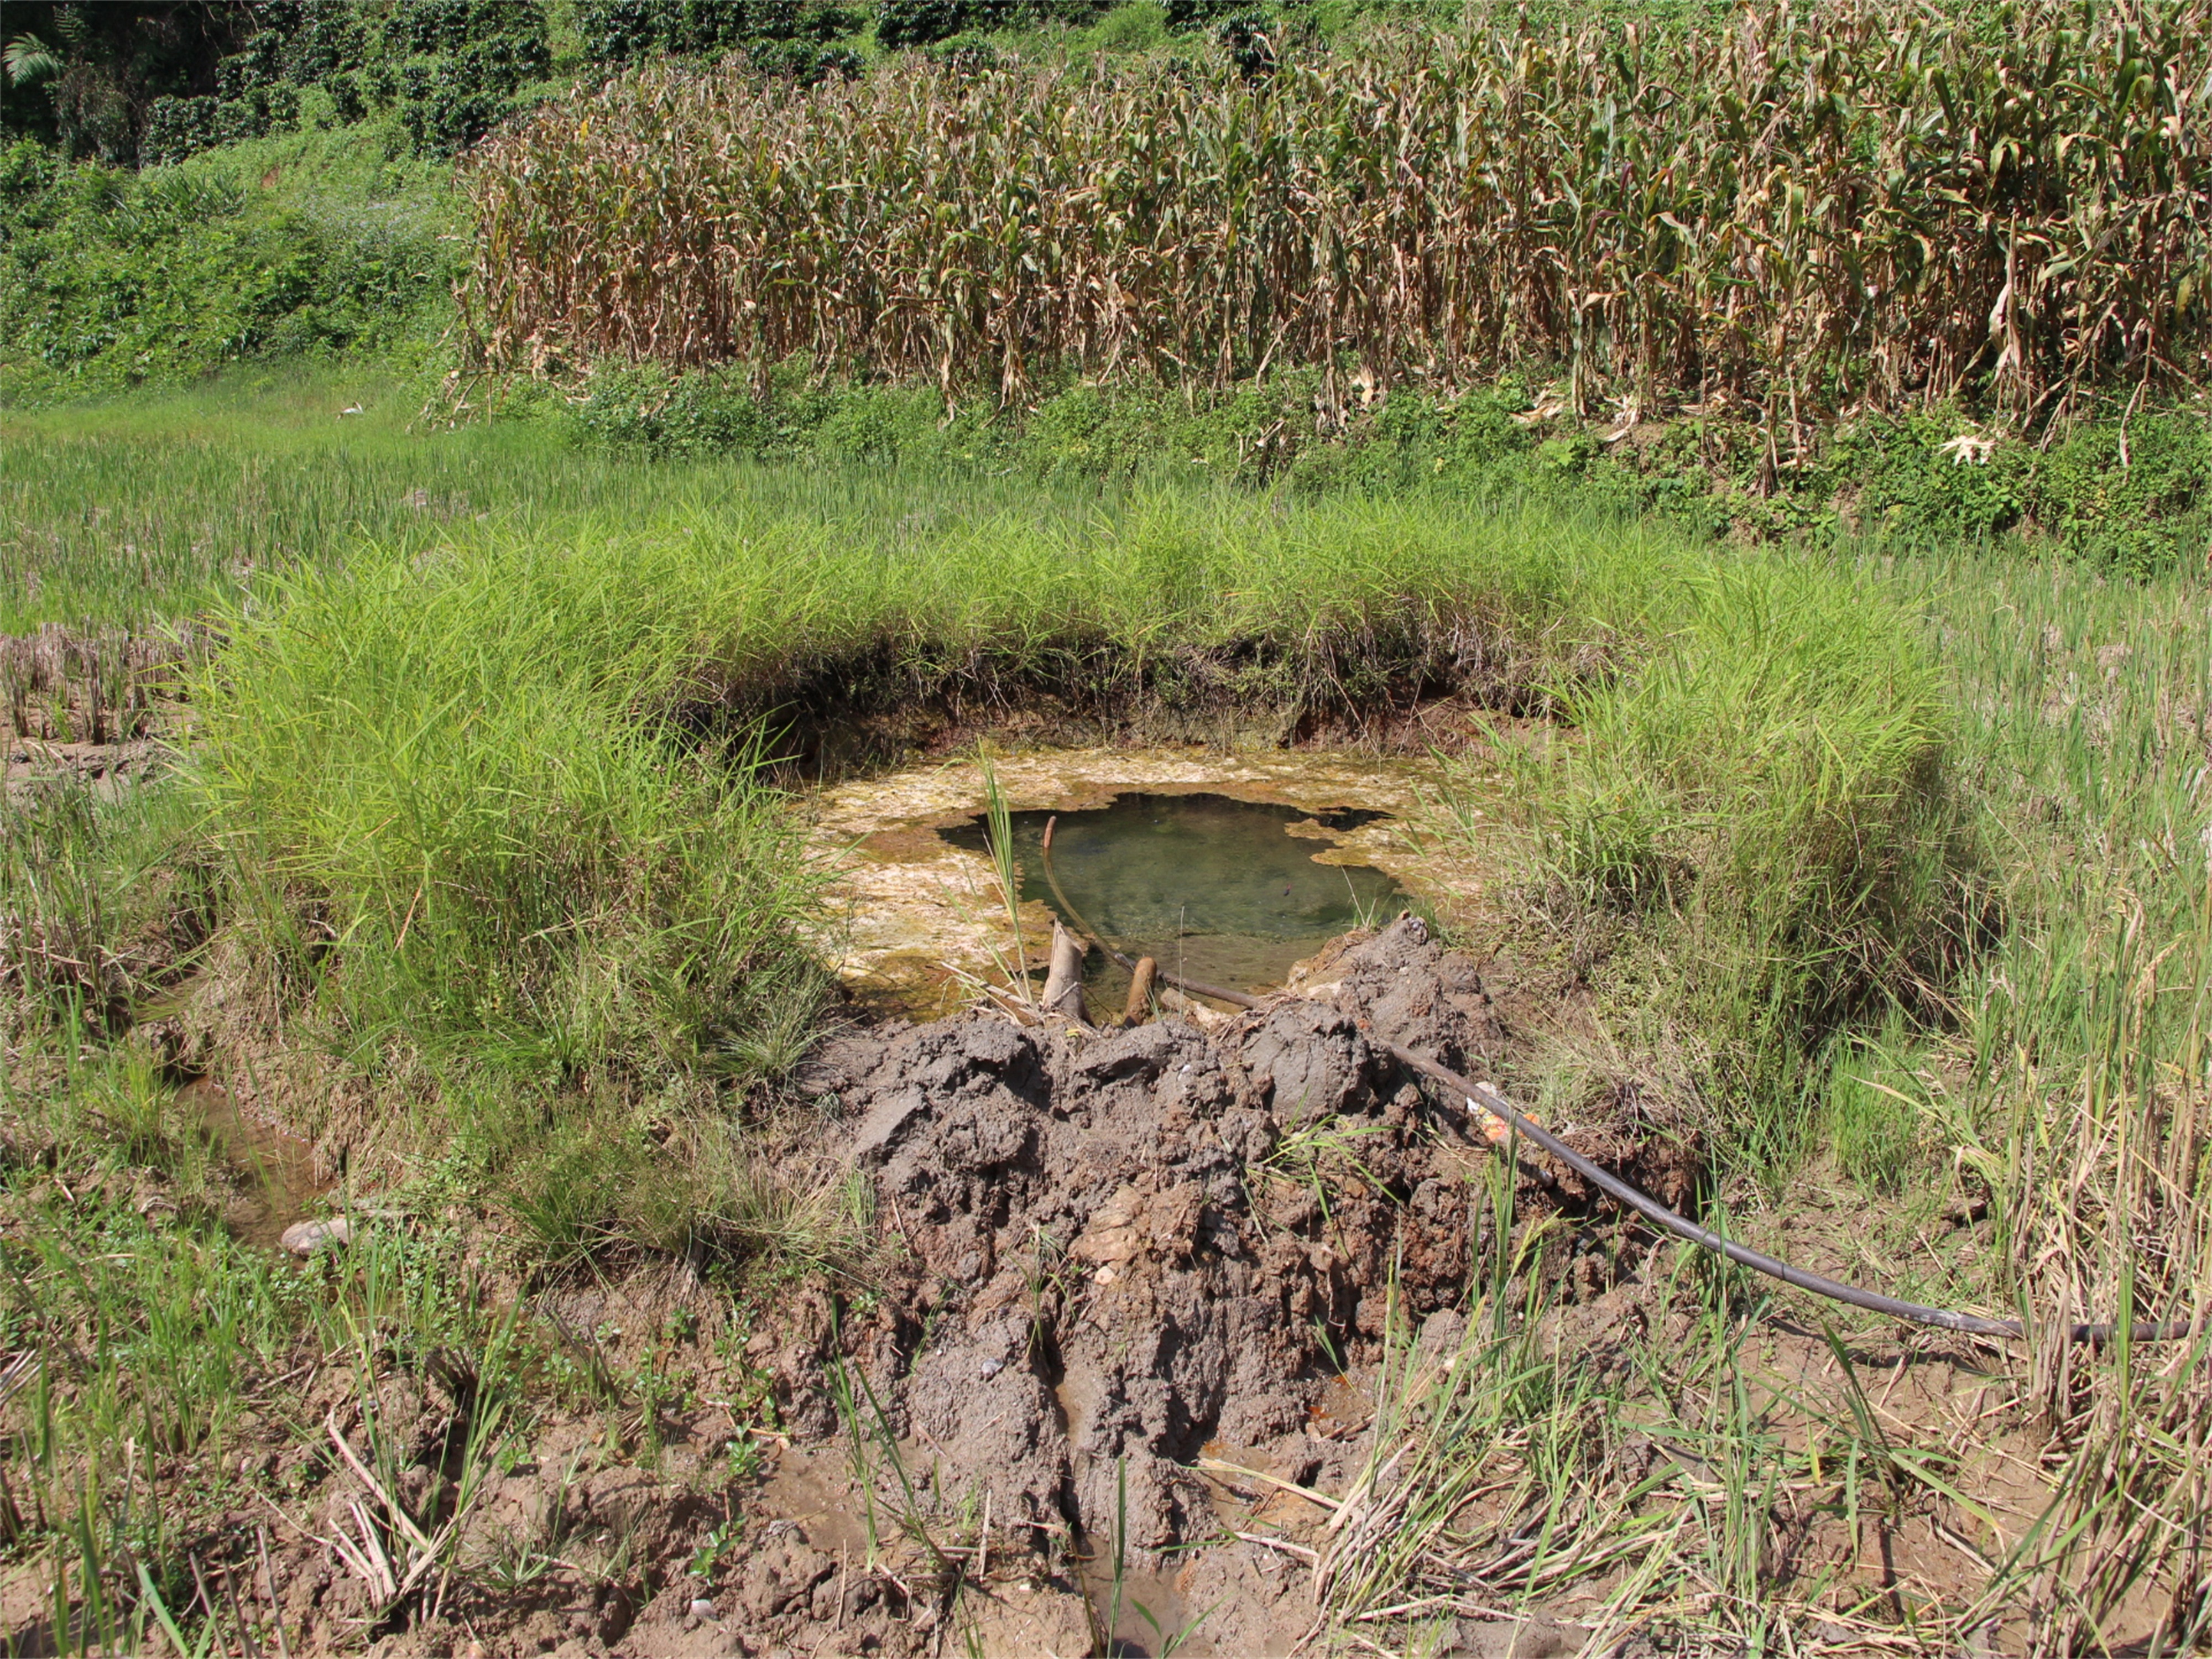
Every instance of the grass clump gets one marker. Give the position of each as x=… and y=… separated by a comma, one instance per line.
x=507, y=790
x=1764, y=803
x=103, y=906
x=483, y=802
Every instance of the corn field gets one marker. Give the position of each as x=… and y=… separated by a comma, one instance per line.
x=1854, y=205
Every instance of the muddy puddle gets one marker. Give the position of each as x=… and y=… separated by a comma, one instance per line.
x=274, y=1182
x=1223, y=890
x=1230, y=866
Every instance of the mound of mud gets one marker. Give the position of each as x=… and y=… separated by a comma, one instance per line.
x=1126, y=1295
x=1123, y=1252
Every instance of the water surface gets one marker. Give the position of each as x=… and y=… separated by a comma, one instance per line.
x=1223, y=891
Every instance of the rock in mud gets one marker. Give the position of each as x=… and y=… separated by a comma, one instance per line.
x=305, y=1238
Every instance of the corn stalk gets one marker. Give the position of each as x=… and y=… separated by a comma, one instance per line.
x=1864, y=204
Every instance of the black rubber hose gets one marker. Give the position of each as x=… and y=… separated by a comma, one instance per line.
x=1651, y=1209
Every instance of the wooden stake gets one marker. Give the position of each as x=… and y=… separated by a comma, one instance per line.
x=1063, y=981
x=1140, y=993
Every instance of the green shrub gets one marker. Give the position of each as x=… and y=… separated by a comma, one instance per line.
x=787, y=39
x=110, y=279
x=919, y=22
x=1183, y=15
x=454, y=66
x=328, y=39
x=176, y=128
x=450, y=70
x=803, y=62
x=624, y=31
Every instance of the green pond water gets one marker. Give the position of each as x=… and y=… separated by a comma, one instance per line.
x=1216, y=888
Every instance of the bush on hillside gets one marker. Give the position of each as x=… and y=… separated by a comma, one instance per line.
x=453, y=67
x=928, y=23
x=110, y=279
x=450, y=70
x=624, y=31
x=788, y=39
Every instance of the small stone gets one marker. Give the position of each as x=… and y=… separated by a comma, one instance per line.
x=305, y=1237
x=701, y=1608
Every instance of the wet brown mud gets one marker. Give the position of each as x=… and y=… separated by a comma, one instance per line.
x=1106, y=1363
x=1134, y=1285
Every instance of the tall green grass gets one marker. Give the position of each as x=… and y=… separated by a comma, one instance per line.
x=103, y=905
x=502, y=791
x=148, y=513
x=1761, y=810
